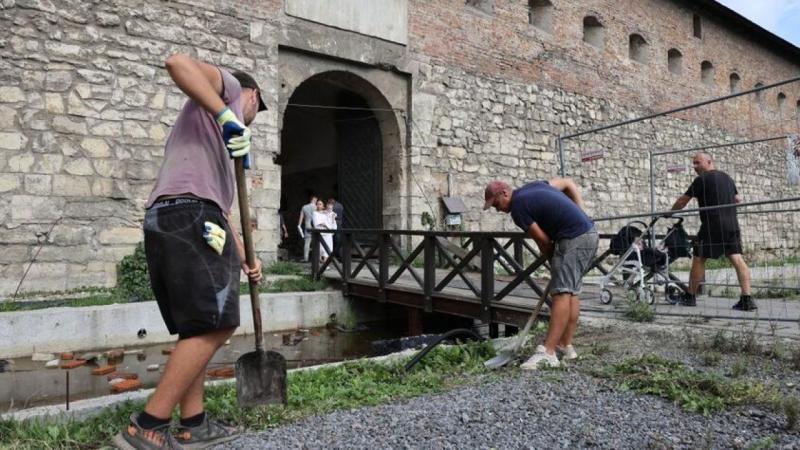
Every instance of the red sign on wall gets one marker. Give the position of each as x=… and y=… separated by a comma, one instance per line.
x=676, y=169
x=591, y=155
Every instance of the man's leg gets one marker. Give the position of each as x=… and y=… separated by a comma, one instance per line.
x=186, y=363
x=192, y=401
x=572, y=325
x=560, y=312
x=306, y=246
x=746, y=302
x=742, y=272
x=696, y=275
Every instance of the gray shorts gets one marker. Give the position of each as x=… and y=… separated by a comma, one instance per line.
x=571, y=259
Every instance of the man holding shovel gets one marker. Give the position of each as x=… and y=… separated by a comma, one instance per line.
x=193, y=251
x=552, y=214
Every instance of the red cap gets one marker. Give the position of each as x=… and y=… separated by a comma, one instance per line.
x=493, y=189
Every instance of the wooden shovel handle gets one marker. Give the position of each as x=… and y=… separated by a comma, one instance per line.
x=247, y=238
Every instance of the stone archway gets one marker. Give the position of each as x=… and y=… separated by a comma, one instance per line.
x=342, y=137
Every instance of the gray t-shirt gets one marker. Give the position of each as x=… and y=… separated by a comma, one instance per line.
x=196, y=161
x=308, y=215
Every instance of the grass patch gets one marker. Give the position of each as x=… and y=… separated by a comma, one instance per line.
x=284, y=268
x=303, y=284
x=299, y=284
x=93, y=297
x=640, y=312
x=693, y=390
x=351, y=385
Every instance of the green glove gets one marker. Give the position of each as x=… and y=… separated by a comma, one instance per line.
x=214, y=236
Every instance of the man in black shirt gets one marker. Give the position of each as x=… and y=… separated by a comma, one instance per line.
x=719, y=230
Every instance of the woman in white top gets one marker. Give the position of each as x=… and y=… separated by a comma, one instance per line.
x=324, y=219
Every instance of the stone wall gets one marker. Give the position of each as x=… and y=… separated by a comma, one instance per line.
x=482, y=129
x=479, y=93
x=85, y=107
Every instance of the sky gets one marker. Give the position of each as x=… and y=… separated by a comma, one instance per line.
x=781, y=17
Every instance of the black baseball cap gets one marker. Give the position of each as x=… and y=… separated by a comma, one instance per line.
x=246, y=81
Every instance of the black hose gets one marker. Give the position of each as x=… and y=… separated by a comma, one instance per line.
x=442, y=337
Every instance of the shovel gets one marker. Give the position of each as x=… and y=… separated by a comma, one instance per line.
x=508, y=353
x=260, y=375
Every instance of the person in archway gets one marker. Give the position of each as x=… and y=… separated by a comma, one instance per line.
x=719, y=232
x=551, y=212
x=325, y=218
x=306, y=221
x=193, y=251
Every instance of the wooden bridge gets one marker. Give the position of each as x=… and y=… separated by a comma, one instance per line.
x=494, y=277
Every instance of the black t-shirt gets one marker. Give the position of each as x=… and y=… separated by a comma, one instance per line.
x=711, y=189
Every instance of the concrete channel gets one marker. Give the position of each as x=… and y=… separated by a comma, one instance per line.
x=294, y=323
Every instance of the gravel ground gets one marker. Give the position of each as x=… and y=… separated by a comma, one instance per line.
x=555, y=409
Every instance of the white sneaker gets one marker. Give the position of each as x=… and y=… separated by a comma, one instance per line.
x=540, y=358
x=567, y=352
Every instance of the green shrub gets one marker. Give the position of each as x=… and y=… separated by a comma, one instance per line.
x=133, y=280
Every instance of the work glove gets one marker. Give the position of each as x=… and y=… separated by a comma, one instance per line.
x=235, y=135
x=214, y=236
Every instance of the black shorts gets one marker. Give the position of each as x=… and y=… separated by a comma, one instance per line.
x=717, y=244
x=197, y=290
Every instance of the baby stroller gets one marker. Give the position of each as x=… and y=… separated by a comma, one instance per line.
x=643, y=267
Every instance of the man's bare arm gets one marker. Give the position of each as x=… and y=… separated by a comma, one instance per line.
x=202, y=82
x=568, y=187
x=681, y=202
x=542, y=240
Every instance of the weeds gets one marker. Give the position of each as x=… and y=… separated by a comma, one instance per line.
x=723, y=341
x=795, y=358
x=697, y=320
x=640, y=312
x=791, y=407
x=739, y=368
x=711, y=358
x=762, y=444
x=693, y=390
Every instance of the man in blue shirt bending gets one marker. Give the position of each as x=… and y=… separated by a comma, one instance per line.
x=552, y=214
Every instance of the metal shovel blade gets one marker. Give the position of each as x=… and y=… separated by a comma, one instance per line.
x=503, y=357
x=508, y=353
x=260, y=379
